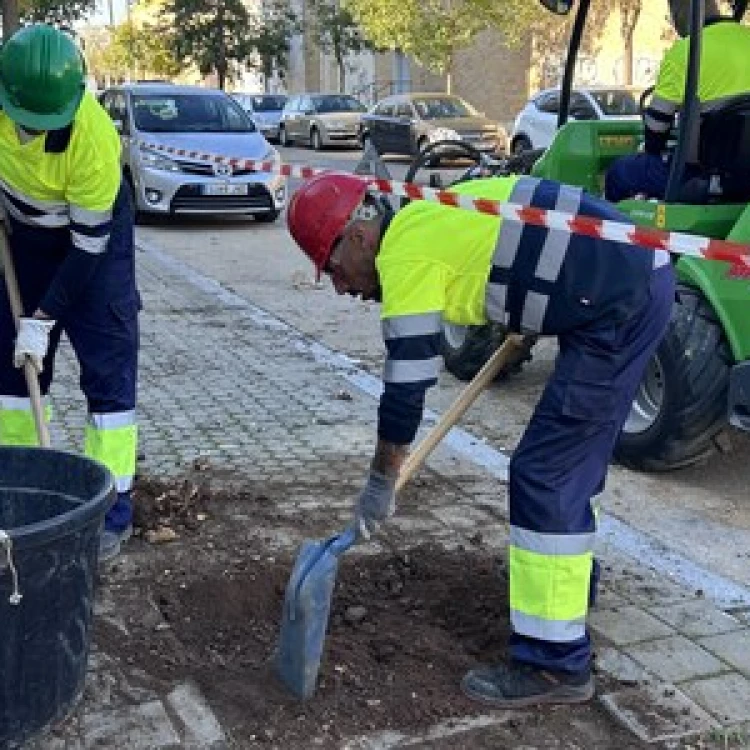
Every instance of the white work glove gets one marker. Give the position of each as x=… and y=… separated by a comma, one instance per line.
x=32, y=341
x=376, y=503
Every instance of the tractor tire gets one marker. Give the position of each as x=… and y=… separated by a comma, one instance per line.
x=681, y=403
x=465, y=349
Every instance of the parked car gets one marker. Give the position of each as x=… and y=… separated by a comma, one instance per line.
x=536, y=123
x=265, y=111
x=406, y=123
x=200, y=120
x=321, y=120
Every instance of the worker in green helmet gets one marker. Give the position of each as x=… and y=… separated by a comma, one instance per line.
x=70, y=223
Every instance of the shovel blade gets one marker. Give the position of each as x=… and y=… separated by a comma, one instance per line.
x=307, y=606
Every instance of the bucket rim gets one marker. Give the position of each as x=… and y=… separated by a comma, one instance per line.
x=40, y=532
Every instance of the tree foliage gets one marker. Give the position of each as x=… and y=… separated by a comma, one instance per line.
x=336, y=32
x=433, y=31
x=212, y=35
x=269, y=37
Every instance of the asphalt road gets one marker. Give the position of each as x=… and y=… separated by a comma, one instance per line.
x=702, y=512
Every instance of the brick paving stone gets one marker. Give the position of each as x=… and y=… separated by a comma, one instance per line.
x=726, y=696
x=143, y=727
x=629, y=624
x=619, y=665
x=696, y=618
x=676, y=659
x=658, y=712
x=734, y=648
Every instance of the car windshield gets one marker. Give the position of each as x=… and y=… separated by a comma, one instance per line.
x=325, y=104
x=616, y=102
x=266, y=103
x=189, y=113
x=436, y=108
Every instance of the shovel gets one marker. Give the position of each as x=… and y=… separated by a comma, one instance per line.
x=29, y=371
x=307, y=600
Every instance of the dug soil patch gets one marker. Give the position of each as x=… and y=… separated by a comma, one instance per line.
x=405, y=626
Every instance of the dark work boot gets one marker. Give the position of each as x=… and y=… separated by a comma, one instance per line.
x=518, y=685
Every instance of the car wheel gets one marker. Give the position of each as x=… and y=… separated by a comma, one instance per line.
x=284, y=139
x=267, y=217
x=520, y=144
x=681, y=402
x=367, y=142
x=315, y=139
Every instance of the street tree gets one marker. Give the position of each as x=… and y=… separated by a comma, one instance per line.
x=269, y=37
x=62, y=12
x=212, y=35
x=335, y=31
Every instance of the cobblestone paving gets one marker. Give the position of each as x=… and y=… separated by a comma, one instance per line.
x=221, y=379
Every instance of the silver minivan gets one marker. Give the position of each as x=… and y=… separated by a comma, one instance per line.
x=196, y=121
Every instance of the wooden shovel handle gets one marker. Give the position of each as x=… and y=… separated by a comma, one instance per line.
x=512, y=350
x=29, y=371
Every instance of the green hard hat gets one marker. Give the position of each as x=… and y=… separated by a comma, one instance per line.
x=42, y=77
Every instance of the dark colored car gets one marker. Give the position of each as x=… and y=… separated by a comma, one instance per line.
x=407, y=123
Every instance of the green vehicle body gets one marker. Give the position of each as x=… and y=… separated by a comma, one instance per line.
x=580, y=155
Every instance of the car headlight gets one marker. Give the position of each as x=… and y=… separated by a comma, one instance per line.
x=443, y=134
x=155, y=160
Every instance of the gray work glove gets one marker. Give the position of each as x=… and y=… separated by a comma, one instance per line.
x=376, y=503
x=32, y=341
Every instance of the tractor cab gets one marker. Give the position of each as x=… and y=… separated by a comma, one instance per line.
x=718, y=143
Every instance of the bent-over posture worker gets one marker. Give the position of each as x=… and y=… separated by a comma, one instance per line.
x=607, y=303
x=71, y=240
x=724, y=73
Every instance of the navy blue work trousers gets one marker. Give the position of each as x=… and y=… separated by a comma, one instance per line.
x=101, y=325
x=561, y=461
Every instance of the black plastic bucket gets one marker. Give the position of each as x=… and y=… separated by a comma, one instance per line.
x=52, y=508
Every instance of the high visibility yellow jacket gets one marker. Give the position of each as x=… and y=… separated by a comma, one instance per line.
x=724, y=73
x=64, y=180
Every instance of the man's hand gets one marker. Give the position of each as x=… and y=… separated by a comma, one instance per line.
x=376, y=503
x=32, y=341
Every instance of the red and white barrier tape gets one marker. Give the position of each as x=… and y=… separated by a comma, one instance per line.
x=674, y=242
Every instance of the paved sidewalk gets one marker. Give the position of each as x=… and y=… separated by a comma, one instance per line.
x=220, y=379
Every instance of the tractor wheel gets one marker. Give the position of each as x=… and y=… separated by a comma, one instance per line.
x=681, y=403
x=465, y=349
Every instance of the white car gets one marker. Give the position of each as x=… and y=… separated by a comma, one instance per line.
x=536, y=123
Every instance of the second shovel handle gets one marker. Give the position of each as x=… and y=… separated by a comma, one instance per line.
x=512, y=350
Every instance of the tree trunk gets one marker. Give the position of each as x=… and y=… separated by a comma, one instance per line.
x=11, y=21
x=627, y=60
x=338, y=55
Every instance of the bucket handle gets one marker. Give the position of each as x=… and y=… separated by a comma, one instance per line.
x=7, y=542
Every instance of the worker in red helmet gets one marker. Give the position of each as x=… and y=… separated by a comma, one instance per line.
x=71, y=241
x=608, y=304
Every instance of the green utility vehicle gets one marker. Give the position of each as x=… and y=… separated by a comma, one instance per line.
x=699, y=378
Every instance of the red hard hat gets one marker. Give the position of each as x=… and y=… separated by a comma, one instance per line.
x=319, y=211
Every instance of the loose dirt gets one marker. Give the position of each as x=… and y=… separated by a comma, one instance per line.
x=405, y=625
